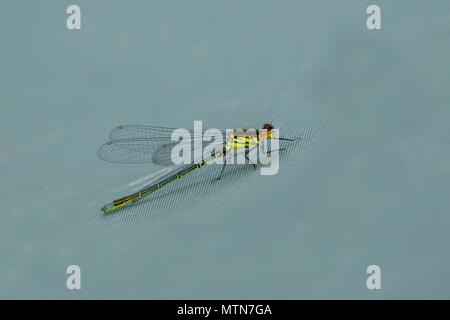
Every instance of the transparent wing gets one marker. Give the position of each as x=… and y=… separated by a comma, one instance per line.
x=144, y=144
x=139, y=132
x=143, y=132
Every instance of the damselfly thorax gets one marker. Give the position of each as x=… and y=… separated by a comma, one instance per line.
x=245, y=138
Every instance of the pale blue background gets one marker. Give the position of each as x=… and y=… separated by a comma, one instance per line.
x=376, y=192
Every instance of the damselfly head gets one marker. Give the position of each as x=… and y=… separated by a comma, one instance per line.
x=266, y=133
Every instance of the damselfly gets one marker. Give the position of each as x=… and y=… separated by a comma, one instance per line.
x=144, y=144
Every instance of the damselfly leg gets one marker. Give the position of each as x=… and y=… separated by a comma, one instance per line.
x=221, y=172
x=246, y=157
x=270, y=151
x=286, y=139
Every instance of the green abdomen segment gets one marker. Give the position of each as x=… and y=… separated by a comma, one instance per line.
x=123, y=202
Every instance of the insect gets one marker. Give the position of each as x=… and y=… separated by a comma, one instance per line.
x=144, y=144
